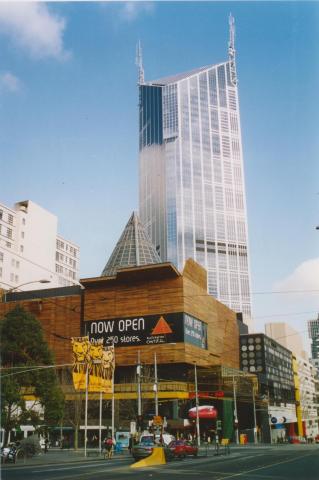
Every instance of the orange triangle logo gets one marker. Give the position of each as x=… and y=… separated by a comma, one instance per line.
x=161, y=327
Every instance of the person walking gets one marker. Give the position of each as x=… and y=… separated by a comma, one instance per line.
x=108, y=445
x=46, y=445
x=130, y=444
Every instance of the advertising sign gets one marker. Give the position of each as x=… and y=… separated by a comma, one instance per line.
x=195, y=331
x=148, y=330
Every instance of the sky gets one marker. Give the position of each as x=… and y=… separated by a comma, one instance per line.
x=69, y=124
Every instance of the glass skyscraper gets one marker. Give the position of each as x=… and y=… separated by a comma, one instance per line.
x=192, y=193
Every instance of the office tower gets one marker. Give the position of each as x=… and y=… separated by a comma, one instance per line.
x=313, y=331
x=192, y=192
x=31, y=249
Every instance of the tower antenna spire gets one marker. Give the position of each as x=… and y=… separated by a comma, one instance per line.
x=231, y=50
x=139, y=63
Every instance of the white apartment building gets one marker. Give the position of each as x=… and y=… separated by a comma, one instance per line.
x=31, y=249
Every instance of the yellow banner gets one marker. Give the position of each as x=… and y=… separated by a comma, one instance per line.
x=80, y=348
x=107, y=369
x=99, y=362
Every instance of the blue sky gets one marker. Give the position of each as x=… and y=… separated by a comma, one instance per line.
x=69, y=123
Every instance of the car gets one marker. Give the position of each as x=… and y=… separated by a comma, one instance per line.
x=167, y=438
x=145, y=449
x=182, y=448
x=317, y=439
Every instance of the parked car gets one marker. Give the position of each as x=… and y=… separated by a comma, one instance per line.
x=182, y=448
x=149, y=437
x=8, y=454
x=145, y=449
x=317, y=439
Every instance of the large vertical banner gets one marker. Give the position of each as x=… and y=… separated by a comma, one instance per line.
x=108, y=367
x=95, y=366
x=80, y=348
x=92, y=359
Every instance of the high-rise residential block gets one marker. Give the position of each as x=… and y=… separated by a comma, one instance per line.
x=192, y=192
x=31, y=249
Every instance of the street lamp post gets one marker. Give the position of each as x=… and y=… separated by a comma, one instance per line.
x=197, y=411
x=235, y=411
x=4, y=296
x=155, y=385
x=255, y=420
x=139, y=392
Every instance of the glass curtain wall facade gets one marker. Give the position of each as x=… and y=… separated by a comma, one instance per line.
x=192, y=193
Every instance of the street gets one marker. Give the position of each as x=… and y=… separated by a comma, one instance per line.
x=278, y=462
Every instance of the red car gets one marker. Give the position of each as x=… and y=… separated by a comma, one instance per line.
x=182, y=448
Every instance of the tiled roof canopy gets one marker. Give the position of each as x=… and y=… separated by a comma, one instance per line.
x=134, y=248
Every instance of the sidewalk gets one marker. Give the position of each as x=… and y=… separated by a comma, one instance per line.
x=56, y=456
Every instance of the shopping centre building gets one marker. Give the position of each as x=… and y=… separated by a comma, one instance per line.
x=145, y=307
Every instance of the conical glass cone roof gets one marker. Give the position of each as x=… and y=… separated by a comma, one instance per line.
x=134, y=248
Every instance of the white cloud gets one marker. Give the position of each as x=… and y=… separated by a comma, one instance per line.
x=304, y=277
x=31, y=26
x=9, y=82
x=131, y=10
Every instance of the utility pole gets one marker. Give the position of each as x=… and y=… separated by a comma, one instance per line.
x=155, y=385
x=235, y=411
x=86, y=406
x=197, y=412
x=139, y=392
x=255, y=421
x=113, y=398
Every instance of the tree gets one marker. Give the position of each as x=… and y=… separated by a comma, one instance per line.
x=23, y=351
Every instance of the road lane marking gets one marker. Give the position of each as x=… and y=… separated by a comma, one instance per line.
x=72, y=467
x=265, y=466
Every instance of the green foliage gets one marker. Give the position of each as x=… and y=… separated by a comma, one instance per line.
x=23, y=345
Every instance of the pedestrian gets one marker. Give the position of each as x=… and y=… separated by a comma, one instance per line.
x=46, y=445
x=130, y=444
x=108, y=444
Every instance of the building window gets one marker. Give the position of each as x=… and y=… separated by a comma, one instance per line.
x=1, y=257
x=21, y=248
x=12, y=262
x=8, y=244
x=11, y=277
x=22, y=234
x=1, y=214
x=23, y=221
x=9, y=232
x=17, y=264
x=10, y=219
x=16, y=278
x=0, y=272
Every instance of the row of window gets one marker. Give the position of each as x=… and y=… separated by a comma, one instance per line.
x=6, y=231
x=9, y=218
x=65, y=271
x=65, y=259
x=60, y=245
